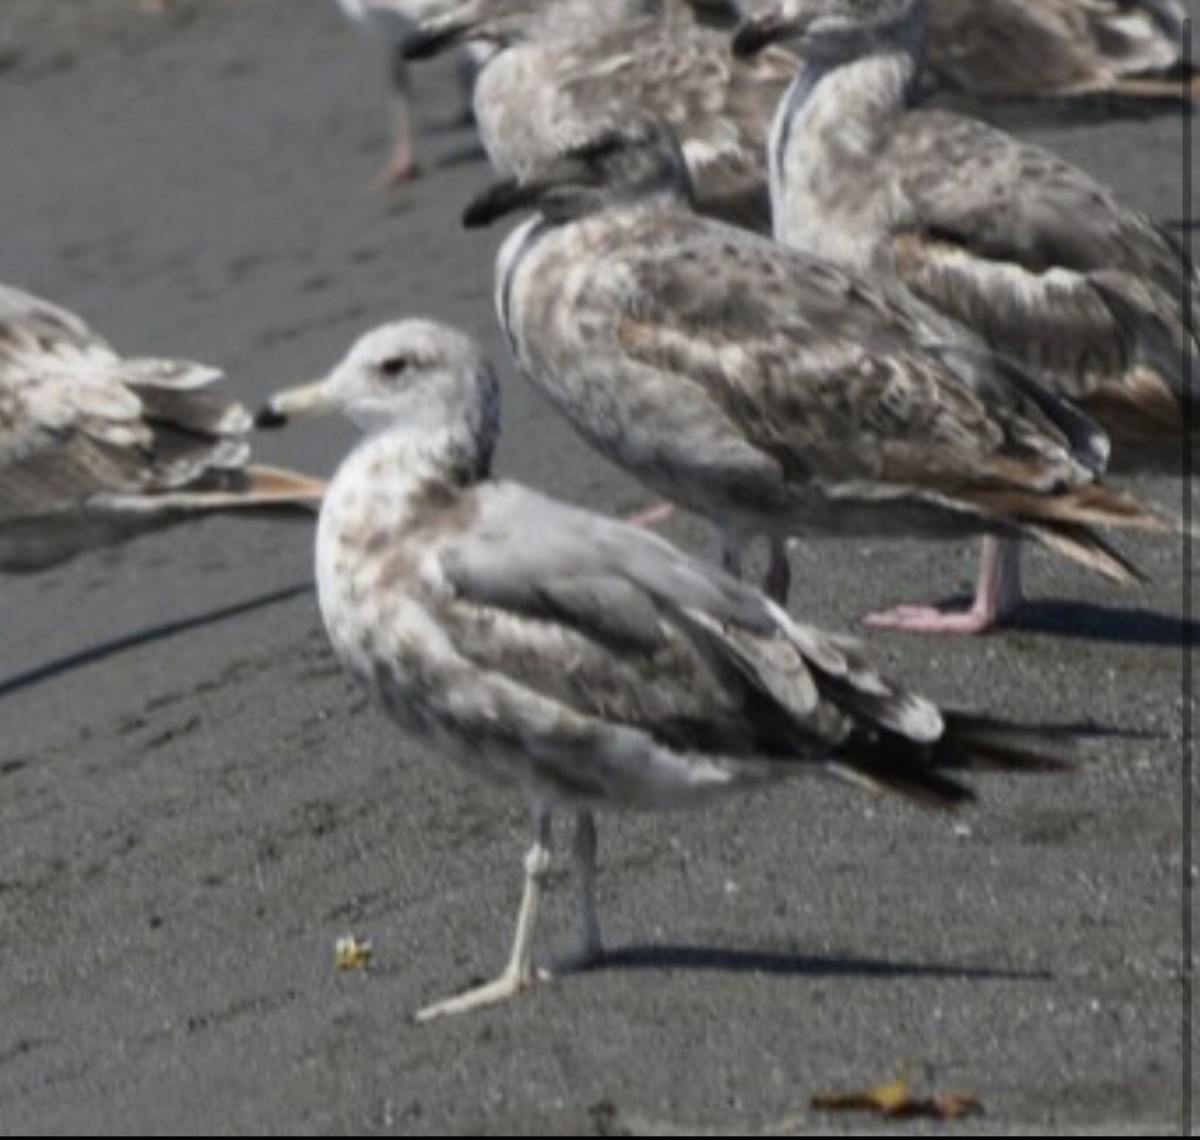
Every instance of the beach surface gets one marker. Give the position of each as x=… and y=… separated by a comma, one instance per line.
x=196, y=803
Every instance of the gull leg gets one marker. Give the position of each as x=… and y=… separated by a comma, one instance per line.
x=468, y=71
x=997, y=597
x=519, y=973
x=401, y=166
x=731, y=552
x=652, y=516
x=778, y=582
x=591, y=947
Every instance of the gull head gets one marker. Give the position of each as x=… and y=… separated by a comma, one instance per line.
x=615, y=162
x=833, y=28
x=414, y=373
x=497, y=22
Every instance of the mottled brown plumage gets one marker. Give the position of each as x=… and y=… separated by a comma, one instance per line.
x=564, y=66
x=1024, y=48
x=769, y=390
x=96, y=448
x=1033, y=255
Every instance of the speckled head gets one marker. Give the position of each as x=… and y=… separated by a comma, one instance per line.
x=417, y=373
x=622, y=159
x=830, y=28
x=498, y=22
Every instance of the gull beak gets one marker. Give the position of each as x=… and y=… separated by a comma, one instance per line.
x=440, y=32
x=500, y=199
x=565, y=173
x=760, y=31
x=302, y=402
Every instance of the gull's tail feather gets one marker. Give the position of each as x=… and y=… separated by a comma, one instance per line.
x=969, y=743
x=1083, y=545
x=254, y=488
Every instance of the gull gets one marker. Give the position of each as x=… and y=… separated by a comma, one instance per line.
x=561, y=63
x=769, y=390
x=394, y=21
x=580, y=660
x=1027, y=48
x=1034, y=256
x=96, y=448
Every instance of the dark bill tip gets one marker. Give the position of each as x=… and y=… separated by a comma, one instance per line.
x=425, y=43
x=757, y=33
x=268, y=418
x=496, y=201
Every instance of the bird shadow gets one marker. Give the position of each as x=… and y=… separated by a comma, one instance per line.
x=109, y=649
x=1118, y=625
x=723, y=960
x=1089, y=621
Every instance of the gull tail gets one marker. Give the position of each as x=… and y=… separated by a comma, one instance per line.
x=254, y=488
x=1184, y=89
x=1064, y=522
x=973, y=743
x=1083, y=545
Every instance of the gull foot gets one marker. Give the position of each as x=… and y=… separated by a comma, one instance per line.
x=508, y=985
x=930, y=619
x=396, y=175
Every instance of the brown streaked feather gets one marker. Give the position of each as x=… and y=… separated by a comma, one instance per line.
x=95, y=448
x=1084, y=546
x=1141, y=408
x=1094, y=505
x=1041, y=47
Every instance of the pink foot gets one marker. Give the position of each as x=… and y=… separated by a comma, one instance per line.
x=397, y=175
x=652, y=516
x=929, y=619
x=997, y=598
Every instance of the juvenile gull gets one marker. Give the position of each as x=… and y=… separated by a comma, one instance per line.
x=1028, y=48
x=96, y=448
x=583, y=661
x=562, y=63
x=771, y=391
x=1033, y=255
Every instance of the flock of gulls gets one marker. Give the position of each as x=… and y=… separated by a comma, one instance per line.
x=764, y=277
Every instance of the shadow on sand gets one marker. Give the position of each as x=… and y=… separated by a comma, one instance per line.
x=1117, y=625
x=146, y=637
x=703, y=958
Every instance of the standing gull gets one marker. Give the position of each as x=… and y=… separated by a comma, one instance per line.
x=1033, y=255
x=394, y=21
x=561, y=63
x=581, y=660
x=768, y=390
x=96, y=448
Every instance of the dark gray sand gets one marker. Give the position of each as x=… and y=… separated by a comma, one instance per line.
x=195, y=804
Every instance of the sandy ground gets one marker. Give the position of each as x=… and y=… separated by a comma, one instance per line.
x=194, y=803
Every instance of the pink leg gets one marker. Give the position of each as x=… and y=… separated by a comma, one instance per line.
x=652, y=516
x=401, y=166
x=997, y=597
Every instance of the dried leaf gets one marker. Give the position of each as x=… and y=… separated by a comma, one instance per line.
x=896, y=1101
x=351, y=954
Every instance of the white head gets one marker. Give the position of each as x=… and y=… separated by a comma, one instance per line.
x=416, y=375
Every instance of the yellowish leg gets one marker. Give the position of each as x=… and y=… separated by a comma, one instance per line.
x=519, y=973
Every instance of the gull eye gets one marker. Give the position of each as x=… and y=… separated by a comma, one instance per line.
x=395, y=366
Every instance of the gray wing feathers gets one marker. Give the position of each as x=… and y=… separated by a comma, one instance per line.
x=632, y=593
